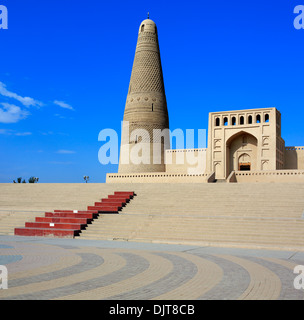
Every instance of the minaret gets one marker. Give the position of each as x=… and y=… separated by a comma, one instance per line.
x=146, y=108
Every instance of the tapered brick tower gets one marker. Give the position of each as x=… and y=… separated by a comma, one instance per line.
x=146, y=108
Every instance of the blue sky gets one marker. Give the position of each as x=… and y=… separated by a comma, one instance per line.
x=66, y=66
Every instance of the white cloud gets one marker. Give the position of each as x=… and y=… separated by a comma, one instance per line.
x=23, y=134
x=26, y=101
x=47, y=133
x=10, y=132
x=11, y=113
x=63, y=105
x=65, y=152
x=59, y=116
x=5, y=131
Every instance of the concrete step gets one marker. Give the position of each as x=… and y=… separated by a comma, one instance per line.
x=45, y=232
x=71, y=215
x=220, y=212
x=64, y=222
x=105, y=209
x=55, y=225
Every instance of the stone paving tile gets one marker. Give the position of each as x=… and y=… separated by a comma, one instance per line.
x=286, y=276
x=35, y=269
x=44, y=268
x=7, y=259
x=234, y=282
x=298, y=256
x=88, y=261
x=4, y=246
x=158, y=268
x=207, y=276
x=264, y=284
x=182, y=271
x=134, y=266
x=79, y=284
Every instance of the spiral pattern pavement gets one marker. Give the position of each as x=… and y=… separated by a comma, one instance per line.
x=69, y=269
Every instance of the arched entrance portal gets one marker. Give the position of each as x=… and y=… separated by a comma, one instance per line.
x=241, y=153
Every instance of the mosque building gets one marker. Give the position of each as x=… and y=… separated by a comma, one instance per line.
x=243, y=145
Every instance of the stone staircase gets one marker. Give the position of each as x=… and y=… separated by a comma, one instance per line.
x=243, y=215
x=220, y=181
x=239, y=214
x=21, y=203
x=9, y=219
x=70, y=223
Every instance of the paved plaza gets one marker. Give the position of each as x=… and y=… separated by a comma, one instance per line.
x=75, y=269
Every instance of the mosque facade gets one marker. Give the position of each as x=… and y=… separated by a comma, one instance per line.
x=243, y=145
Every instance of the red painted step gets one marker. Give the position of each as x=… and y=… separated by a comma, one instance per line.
x=103, y=209
x=119, y=205
x=71, y=215
x=76, y=211
x=119, y=198
x=63, y=220
x=126, y=196
x=113, y=202
x=68, y=223
x=106, y=207
x=45, y=225
x=125, y=193
x=62, y=233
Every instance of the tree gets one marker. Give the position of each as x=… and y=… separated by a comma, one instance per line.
x=31, y=180
x=19, y=180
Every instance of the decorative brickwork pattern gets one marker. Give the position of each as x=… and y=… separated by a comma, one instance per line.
x=147, y=73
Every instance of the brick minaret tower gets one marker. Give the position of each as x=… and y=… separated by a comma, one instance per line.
x=146, y=108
